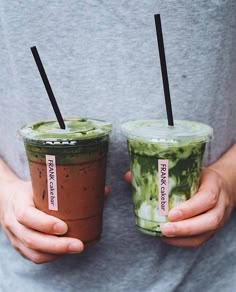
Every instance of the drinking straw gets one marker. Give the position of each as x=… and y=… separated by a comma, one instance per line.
x=164, y=69
x=48, y=87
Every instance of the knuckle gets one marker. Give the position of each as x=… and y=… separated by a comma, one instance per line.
x=7, y=222
x=15, y=245
x=227, y=202
x=219, y=181
x=37, y=258
x=186, y=230
x=20, y=215
x=197, y=242
x=215, y=221
x=212, y=198
x=29, y=242
x=200, y=240
x=22, y=254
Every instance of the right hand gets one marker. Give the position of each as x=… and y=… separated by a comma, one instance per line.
x=31, y=232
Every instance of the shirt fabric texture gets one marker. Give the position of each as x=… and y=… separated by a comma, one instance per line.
x=101, y=58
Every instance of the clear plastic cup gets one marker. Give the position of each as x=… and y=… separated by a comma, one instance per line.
x=165, y=164
x=68, y=169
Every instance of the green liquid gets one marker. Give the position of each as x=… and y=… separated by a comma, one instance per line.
x=68, y=154
x=82, y=141
x=184, y=161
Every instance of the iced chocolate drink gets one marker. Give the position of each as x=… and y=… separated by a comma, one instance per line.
x=68, y=169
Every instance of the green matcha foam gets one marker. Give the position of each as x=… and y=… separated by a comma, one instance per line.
x=76, y=130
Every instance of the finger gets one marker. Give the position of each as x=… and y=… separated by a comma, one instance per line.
x=209, y=221
x=204, y=200
x=42, y=242
x=47, y=243
x=35, y=256
x=127, y=177
x=40, y=221
x=35, y=219
x=106, y=191
x=194, y=241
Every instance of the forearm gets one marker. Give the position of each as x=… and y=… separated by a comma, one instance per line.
x=7, y=177
x=226, y=168
x=6, y=174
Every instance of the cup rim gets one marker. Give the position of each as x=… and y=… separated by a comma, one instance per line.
x=96, y=130
x=158, y=131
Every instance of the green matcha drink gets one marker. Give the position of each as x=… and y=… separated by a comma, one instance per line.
x=67, y=169
x=165, y=164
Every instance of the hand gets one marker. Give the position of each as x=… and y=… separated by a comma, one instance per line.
x=31, y=232
x=195, y=221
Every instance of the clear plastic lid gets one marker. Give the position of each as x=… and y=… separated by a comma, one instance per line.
x=76, y=130
x=159, y=131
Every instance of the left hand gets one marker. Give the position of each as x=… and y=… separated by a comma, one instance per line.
x=193, y=222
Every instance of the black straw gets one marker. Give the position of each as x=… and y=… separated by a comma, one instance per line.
x=48, y=87
x=164, y=69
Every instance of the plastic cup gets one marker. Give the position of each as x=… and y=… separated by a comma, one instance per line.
x=165, y=164
x=68, y=169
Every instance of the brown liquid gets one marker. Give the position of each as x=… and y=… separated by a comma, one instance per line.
x=80, y=189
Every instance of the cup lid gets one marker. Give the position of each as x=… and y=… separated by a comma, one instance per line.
x=76, y=130
x=158, y=131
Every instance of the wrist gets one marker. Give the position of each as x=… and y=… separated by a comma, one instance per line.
x=6, y=174
x=227, y=177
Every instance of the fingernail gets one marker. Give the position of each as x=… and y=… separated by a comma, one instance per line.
x=75, y=247
x=175, y=214
x=60, y=228
x=168, y=229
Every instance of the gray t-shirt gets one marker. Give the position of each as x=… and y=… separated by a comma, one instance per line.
x=102, y=60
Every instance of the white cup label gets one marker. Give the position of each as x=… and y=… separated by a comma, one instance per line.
x=52, y=182
x=163, y=189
